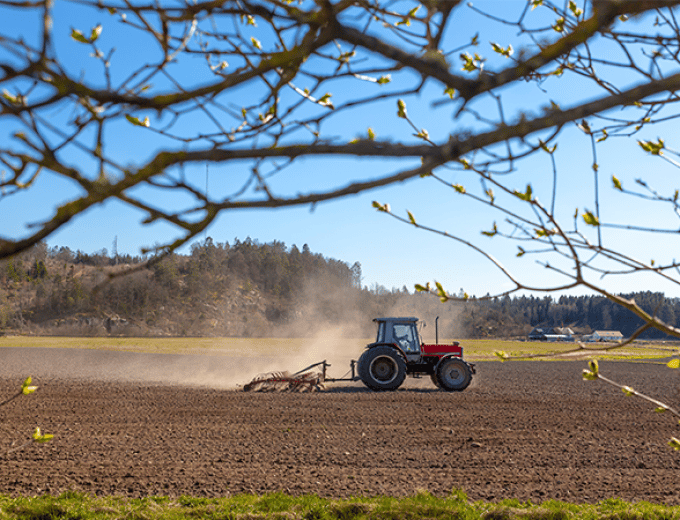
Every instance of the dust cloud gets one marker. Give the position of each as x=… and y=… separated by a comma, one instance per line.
x=329, y=323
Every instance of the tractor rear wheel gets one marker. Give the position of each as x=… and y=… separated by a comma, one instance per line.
x=453, y=375
x=362, y=365
x=382, y=368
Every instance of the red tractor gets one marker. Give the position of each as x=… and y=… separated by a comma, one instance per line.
x=398, y=351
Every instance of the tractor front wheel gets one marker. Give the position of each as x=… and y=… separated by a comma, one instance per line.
x=453, y=375
x=382, y=368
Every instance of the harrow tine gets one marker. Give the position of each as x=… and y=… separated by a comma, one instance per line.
x=302, y=381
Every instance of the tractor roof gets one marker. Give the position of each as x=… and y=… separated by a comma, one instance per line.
x=396, y=319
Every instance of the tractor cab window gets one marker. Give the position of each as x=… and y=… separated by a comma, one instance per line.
x=405, y=337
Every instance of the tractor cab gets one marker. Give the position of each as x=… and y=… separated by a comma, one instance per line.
x=402, y=332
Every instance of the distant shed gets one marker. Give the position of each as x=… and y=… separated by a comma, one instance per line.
x=551, y=334
x=604, y=335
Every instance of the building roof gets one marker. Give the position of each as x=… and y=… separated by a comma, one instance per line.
x=562, y=331
x=608, y=333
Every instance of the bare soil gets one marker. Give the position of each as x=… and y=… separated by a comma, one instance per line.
x=126, y=424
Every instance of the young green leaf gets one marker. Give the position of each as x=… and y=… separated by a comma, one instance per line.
x=423, y=288
x=382, y=80
x=38, y=436
x=628, y=391
x=545, y=148
x=459, y=188
x=346, y=56
x=585, y=127
x=406, y=20
x=9, y=97
x=589, y=375
x=411, y=218
x=507, y=51
x=500, y=354
x=371, y=134
x=26, y=387
x=590, y=219
x=95, y=33
x=325, y=100
x=652, y=147
x=469, y=64
x=526, y=195
x=423, y=134
x=401, y=106
x=617, y=183
x=135, y=121
x=575, y=9
x=494, y=231
x=450, y=91
x=443, y=297
x=79, y=36
x=593, y=373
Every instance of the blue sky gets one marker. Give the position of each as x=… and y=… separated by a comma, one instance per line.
x=391, y=254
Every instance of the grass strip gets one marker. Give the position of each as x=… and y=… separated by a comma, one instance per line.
x=279, y=506
x=475, y=349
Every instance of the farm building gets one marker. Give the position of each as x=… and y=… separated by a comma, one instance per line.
x=551, y=334
x=604, y=335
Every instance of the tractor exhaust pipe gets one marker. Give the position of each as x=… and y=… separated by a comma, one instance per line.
x=436, y=330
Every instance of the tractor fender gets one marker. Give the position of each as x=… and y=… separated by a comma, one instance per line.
x=391, y=345
x=449, y=356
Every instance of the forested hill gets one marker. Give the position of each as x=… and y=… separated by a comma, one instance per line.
x=249, y=289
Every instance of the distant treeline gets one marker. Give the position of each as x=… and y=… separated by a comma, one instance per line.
x=248, y=288
x=584, y=314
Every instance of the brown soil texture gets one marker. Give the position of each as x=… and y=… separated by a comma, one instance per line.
x=526, y=430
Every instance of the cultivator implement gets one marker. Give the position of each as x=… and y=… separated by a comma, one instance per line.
x=308, y=379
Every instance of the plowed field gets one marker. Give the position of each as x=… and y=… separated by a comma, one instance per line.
x=125, y=424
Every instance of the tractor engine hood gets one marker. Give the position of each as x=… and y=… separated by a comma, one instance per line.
x=439, y=350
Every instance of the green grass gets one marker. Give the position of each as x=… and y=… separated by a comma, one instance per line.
x=483, y=349
x=474, y=349
x=218, y=346
x=72, y=506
